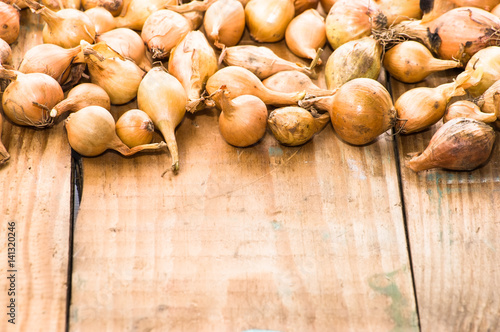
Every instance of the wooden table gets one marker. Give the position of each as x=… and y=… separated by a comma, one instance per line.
x=321, y=237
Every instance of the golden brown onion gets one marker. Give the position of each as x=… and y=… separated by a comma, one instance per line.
x=224, y=23
x=135, y=127
x=102, y=19
x=267, y=19
x=135, y=12
x=82, y=95
x=10, y=22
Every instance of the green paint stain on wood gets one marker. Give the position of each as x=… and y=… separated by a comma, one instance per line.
x=401, y=311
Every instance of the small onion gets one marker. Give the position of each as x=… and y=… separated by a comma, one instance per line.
x=294, y=81
x=467, y=109
x=135, y=127
x=102, y=19
x=224, y=23
x=267, y=19
x=489, y=58
x=82, y=95
x=10, y=22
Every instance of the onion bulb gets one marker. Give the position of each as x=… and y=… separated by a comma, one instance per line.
x=163, y=98
x=489, y=101
x=57, y=5
x=294, y=125
x=102, y=19
x=489, y=58
x=224, y=23
x=10, y=18
x=354, y=59
x=460, y=144
x=28, y=99
x=411, y=62
x=267, y=19
x=91, y=131
x=163, y=30
x=432, y=9
x=21, y=4
x=52, y=60
x=66, y=27
x=352, y=19
x=119, y=77
x=496, y=10
x=303, y=5
x=260, y=60
x=457, y=34
x=5, y=53
x=112, y=6
x=129, y=44
x=362, y=110
x=397, y=10
x=82, y=95
x=4, y=155
x=467, y=109
x=295, y=81
x=240, y=81
x=192, y=62
x=243, y=119
x=136, y=12
x=327, y=5
x=306, y=34
x=421, y=107
x=135, y=127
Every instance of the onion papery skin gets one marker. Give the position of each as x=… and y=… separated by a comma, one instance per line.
x=362, y=111
x=292, y=81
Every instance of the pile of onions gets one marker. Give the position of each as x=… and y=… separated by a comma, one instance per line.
x=82, y=95
x=129, y=44
x=28, y=99
x=66, y=27
x=243, y=119
x=10, y=18
x=163, y=99
x=163, y=30
x=135, y=127
x=240, y=81
x=224, y=23
x=412, y=62
x=4, y=155
x=91, y=131
x=192, y=62
x=267, y=20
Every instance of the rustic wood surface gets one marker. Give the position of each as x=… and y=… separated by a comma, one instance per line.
x=454, y=228
x=35, y=193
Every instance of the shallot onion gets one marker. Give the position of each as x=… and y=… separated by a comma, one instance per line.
x=10, y=18
x=467, y=109
x=224, y=23
x=81, y=96
x=294, y=81
x=488, y=58
x=267, y=19
x=113, y=6
x=102, y=19
x=135, y=127
x=136, y=12
x=5, y=53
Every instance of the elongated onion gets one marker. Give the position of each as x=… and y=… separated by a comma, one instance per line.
x=192, y=62
x=467, y=109
x=296, y=82
x=489, y=58
x=163, y=98
x=91, y=131
x=28, y=99
x=10, y=22
x=267, y=19
x=81, y=96
x=135, y=127
x=224, y=23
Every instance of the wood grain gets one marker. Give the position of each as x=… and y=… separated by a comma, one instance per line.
x=454, y=228
x=35, y=193
x=268, y=237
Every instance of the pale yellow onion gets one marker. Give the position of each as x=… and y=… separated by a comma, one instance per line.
x=82, y=95
x=354, y=59
x=66, y=27
x=28, y=99
x=112, y=6
x=119, y=77
x=135, y=127
x=260, y=60
x=294, y=125
x=352, y=19
x=52, y=60
x=496, y=10
x=91, y=131
x=305, y=34
x=5, y=53
x=163, y=30
x=294, y=81
x=467, y=109
x=163, y=98
x=488, y=58
x=460, y=144
x=243, y=119
x=129, y=44
x=412, y=62
x=4, y=154
x=136, y=12
x=267, y=19
x=61, y=4
x=240, y=81
x=10, y=22
x=192, y=62
x=102, y=19
x=224, y=23
x=489, y=101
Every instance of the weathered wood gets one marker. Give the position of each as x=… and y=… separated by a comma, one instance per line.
x=35, y=194
x=454, y=229
x=268, y=237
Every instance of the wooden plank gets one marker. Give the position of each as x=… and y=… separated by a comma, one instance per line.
x=268, y=237
x=35, y=192
x=454, y=229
